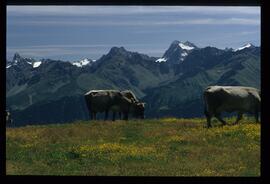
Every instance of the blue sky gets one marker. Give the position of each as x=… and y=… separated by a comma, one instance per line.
x=76, y=32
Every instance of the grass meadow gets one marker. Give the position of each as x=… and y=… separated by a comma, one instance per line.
x=151, y=147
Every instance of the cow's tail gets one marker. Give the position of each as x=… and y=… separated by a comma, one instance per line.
x=206, y=111
x=87, y=101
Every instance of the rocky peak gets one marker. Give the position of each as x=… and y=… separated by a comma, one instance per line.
x=178, y=51
x=118, y=51
x=17, y=57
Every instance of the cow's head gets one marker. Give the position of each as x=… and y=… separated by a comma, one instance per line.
x=138, y=111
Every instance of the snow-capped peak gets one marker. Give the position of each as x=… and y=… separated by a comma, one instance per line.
x=21, y=61
x=83, y=62
x=185, y=47
x=243, y=47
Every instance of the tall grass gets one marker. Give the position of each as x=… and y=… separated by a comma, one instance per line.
x=154, y=147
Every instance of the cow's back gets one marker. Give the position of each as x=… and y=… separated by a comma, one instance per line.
x=231, y=98
x=242, y=98
x=100, y=100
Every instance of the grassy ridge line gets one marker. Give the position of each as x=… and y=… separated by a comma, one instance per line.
x=157, y=147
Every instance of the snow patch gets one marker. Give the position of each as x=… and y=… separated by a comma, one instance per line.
x=184, y=54
x=29, y=63
x=241, y=48
x=36, y=64
x=8, y=66
x=77, y=64
x=83, y=62
x=185, y=47
x=161, y=60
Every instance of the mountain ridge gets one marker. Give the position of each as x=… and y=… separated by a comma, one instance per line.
x=170, y=88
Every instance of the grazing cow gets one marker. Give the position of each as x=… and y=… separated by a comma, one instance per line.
x=137, y=108
x=238, y=99
x=108, y=100
x=8, y=118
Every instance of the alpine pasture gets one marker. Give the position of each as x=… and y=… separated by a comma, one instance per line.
x=153, y=147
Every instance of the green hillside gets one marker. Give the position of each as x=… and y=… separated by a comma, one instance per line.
x=156, y=147
x=183, y=97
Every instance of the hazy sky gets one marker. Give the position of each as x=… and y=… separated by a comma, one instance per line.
x=76, y=32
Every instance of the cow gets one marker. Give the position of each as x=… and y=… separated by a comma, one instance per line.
x=240, y=99
x=137, y=108
x=108, y=100
x=8, y=118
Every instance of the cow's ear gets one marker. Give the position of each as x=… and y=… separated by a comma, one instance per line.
x=127, y=99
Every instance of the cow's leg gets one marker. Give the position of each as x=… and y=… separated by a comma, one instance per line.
x=257, y=116
x=209, y=121
x=125, y=116
x=91, y=115
x=120, y=115
x=113, y=116
x=217, y=115
x=239, y=117
x=208, y=118
x=95, y=115
x=106, y=115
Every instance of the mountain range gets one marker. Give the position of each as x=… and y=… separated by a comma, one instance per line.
x=51, y=91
